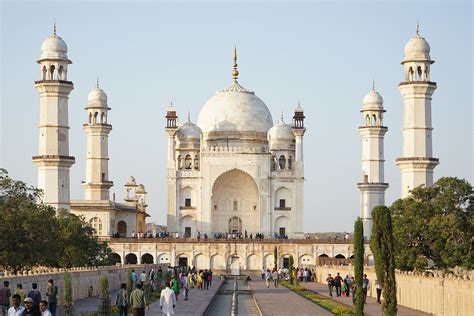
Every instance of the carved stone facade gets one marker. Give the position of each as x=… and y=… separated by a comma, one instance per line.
x=234, y=171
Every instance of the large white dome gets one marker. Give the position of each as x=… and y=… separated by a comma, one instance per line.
x=235, y=109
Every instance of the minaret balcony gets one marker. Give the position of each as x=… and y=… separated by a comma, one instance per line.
x=54, y=81
x=404, y=83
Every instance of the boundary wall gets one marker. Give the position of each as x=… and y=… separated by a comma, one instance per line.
x=436, y=294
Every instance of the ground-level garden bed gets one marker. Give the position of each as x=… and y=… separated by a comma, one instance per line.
x=326, y=303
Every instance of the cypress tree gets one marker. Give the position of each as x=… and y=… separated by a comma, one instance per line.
x=359, y=265
x=67, y=300
x=382, y=246
x=275, y=257
x=290, y=269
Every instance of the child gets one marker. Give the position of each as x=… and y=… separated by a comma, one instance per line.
x=344, y=288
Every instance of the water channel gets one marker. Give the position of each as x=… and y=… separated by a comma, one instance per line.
x=233, y=298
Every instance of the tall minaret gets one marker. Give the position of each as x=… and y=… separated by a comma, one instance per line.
x=372, y=188
x=171, y=128
x=53, y=158
x=97, y=184
x=417, y=162
x=299, y=129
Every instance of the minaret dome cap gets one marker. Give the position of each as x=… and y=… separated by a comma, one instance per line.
x=54, y=47
x=97, y=95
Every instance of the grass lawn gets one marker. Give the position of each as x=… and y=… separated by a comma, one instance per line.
x=326, y=303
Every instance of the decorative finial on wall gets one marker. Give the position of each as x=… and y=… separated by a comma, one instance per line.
x=235, y=72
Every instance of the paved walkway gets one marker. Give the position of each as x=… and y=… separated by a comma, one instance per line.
x=195, y=305
x=372, y=308
x=282, y=301
x=197, y=302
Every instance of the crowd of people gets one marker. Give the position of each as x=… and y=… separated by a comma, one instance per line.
x=20, y=303
x=173, y=282
x=200, y=236
x=346, y=287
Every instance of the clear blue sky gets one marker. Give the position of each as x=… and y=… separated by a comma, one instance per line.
x=324, y=54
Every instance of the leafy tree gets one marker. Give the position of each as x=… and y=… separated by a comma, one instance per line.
x=433, y=227
x=24, y=223
x=31, y=234
x=382, y=246
x=359, y=265
x=78, y=243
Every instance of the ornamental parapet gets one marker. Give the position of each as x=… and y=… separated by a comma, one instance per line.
x=404, y=83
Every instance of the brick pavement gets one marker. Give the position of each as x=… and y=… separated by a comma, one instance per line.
x=372, y=308
x=282, y=301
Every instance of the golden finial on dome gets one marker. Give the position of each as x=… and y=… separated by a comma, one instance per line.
x=54, y=27
x=235, y=72
x=373, y=84
x=97, y=83
x=189, y=116
x=417, y=28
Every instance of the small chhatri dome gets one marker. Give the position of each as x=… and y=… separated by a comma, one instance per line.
x=417, y=47
x=171, y=108
x=140, y=189
x=373, y=100
x=97, y=94
x=188, y=131
x=131, y=181
x=281, y=131
x=54, y=47
x=299, y=108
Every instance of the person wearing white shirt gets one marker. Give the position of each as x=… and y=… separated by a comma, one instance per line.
x=16, y=309
x=143, y=277
x=44, y=308
x=167, y=300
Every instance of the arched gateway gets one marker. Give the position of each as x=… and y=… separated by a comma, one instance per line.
x=235, y=203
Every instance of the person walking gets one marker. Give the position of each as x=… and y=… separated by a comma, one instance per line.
x=330, y=282
x=121, y=299
x=143, y=278
x=186, y=284
x=5, y=294
x=348, y=285
x=275, y=277
x=263, y=273
x=205, y=279
x=210, y=277
x=35, y=295
x=268, y=277
x=175, y=287
x=52, y=294
x=378, y=288
x=365, y=287
x=44, y=308
x=337, y=284
x=167, y=300
x=19, y=290
x=353, y=290
x=134, y=278
x=199, y=280
x=138, y=301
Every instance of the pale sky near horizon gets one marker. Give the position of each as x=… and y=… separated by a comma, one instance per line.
x=323, y=54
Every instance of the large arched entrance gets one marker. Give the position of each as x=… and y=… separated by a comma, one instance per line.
x=131, y=258
x=235, y=203
x=122, y=229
